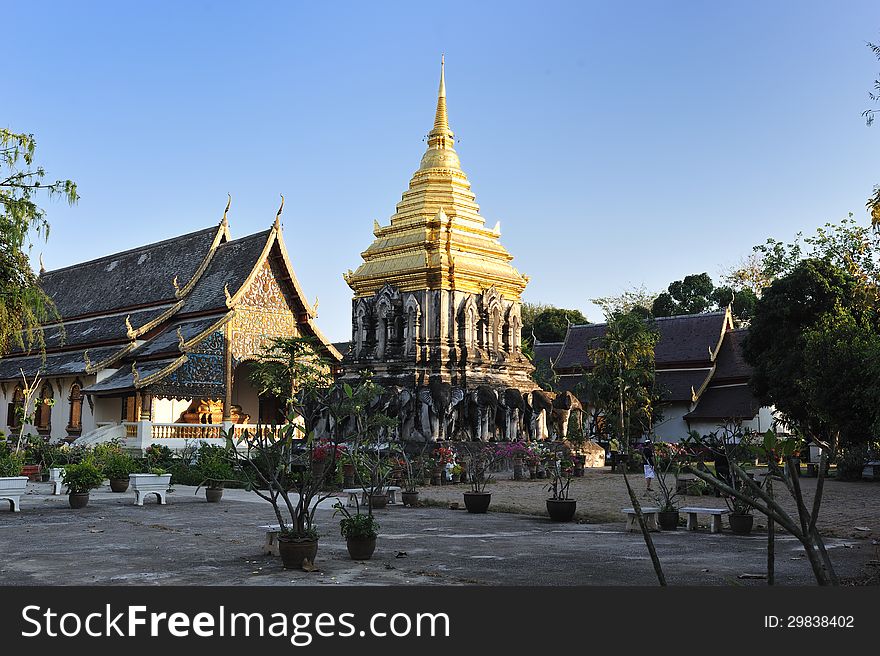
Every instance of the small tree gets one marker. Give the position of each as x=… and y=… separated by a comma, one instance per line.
x=275, y=460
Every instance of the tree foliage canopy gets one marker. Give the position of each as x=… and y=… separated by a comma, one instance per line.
x=814, y=344
x=23, y=305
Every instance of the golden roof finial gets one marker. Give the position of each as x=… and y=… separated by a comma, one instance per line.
x=180, y=340
x=176, y=286
x=42, y=268
x=225, y=221
x=441, y=140
x=227, y=295
x=87, y=360
x=135, y=376
x=128, y=328
x=441, y=119
x=278, y=214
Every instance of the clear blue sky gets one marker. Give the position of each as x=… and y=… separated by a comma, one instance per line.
x=617, y=143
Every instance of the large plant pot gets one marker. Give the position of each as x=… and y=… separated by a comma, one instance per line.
x=147, y=484
x=360, y=548
x=561, y=510
x=118, y=484
x=410, y=498
x=477, y=502
x=78, y=499
x=378, y=501
x=294, y=551
x=741, y=524
x=213, y=494
x=668, y=520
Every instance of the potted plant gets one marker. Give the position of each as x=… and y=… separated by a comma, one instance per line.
x=560, y=507
x=117, y=468
x=741, y=517
x=80, y=478
x=412, y=476
x=668, y=459
x=215, y=469
x=359, y=530
x=12, y=486
x=478, y=459
x=456, y=473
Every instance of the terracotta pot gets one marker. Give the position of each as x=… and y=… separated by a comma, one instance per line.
x=213, y=494
x=78, y=499
x=118, y=484
x=668, y=520
x=360, y=548
x=561, y=510
x=378, y=501
x=741, y=524
x=477, y=502
x=294, y=551
x=410, y=498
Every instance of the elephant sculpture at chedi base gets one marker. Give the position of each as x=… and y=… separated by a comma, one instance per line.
x=538, y=410
x=564, y=404
x=438, y=412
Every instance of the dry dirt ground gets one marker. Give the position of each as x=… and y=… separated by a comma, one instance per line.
x=848, y=508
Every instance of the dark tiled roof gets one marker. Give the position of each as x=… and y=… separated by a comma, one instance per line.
x=684, y=339
x=100, y=329
x=730, y=365
x=546, y=351
x=123, y=380
x=68, y=363
x=167, y=341
x=342, y=347
x=231, y=265
x=681, y=385
x=735, y=402
x=140, y=276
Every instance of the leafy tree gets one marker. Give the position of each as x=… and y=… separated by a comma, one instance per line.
x=23, y=305
x=622, y=381
x=814, y=345
x=528, y=313
x=697, y=293
x=552, y=324
x=635, y=299
x=873, y=203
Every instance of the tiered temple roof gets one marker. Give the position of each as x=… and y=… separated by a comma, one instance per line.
x=698, y=359
x=140, y=313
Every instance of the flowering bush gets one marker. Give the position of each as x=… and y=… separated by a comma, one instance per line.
x=513, y=450
x=444, y=456
x=323, y=449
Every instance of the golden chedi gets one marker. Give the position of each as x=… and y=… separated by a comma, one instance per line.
x=436, y=299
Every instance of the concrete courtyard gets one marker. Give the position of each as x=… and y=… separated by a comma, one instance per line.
x=191, y=542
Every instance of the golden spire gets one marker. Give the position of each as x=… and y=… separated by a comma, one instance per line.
x=441, y=140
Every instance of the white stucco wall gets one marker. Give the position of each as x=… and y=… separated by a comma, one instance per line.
x=60, y=413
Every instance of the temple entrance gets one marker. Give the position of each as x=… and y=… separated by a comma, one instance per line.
x=262, y=409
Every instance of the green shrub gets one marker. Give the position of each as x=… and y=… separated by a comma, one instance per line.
x=119, y=465
x=214, y=467
x=10, y=462
x=82, y=476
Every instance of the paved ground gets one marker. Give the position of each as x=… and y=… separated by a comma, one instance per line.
x=191, y=542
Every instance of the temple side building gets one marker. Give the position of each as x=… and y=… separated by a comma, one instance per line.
x=156, y=344
x=700, y=372
x=436, y=298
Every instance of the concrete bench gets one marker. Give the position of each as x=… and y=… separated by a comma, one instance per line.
x=632, y=521
x=715, y=513
x=353, y=493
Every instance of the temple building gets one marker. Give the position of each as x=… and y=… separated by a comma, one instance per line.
x=700, y=372
x=436, y=299
x=156, y=344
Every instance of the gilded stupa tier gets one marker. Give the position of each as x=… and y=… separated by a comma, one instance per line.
x=437, y=238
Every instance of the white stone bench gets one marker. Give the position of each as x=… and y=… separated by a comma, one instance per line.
x=353, y=493
x=716, y=514
x=56, y=478
x=146, y=484
x=650, y=515
x=11, y=489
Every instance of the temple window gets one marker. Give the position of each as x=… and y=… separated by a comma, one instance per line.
x=15, y=410
x=43, y=410
x=74, y=424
